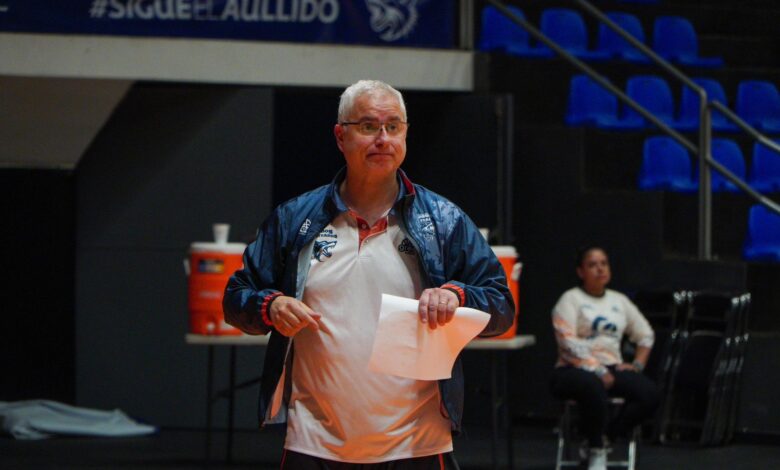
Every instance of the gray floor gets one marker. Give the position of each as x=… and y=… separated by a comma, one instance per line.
x=534, y=448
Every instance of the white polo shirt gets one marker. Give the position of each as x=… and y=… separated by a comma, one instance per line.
x=338, y=409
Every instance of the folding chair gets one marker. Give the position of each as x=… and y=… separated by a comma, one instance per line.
x=694, y=390
x=675, y=39
x=665, y=311
x=715, y=422
x=735, y=370
x=569, y=441
x=727, y=382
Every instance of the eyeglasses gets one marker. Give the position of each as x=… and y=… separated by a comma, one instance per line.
x=373, y=128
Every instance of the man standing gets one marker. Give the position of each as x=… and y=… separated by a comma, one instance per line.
x=315, y=276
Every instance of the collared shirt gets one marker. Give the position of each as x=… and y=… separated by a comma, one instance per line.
x=338, y=409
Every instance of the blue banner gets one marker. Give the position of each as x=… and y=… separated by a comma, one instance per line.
x=417, y=23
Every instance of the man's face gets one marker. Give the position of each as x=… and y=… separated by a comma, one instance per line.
x=380, y=154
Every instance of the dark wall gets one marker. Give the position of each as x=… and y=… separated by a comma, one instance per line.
x=36, y=295
x=760, y=386
x=172, y=160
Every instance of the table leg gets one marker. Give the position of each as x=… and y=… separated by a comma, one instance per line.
x=507, y=414
x=494, y=405
x=231, y=403
x=209, y=399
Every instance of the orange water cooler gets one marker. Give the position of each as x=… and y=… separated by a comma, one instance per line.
x=209, y=267
x=507, y=255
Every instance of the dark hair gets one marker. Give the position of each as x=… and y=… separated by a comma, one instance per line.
x=583, y=251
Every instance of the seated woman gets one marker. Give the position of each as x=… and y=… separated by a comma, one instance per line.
x=589, y=323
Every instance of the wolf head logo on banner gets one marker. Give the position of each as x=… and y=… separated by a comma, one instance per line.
x=392, y=19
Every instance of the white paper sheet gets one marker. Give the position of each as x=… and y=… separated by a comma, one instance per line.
x=406, y=347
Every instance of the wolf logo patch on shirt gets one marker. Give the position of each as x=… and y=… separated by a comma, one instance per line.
x=321, y=250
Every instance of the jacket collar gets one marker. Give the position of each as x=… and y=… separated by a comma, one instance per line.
x=335, y=205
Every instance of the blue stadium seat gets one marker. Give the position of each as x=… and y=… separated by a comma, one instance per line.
x=762, y=242
x=567, y=28
x=765, y=169
x=614, y=45
x=590, y=104
x=727, y=153
x=654, y=94
x=666, y=165
x=675, y=39
x=758, y=103
x=500, y=33
x=688, y=117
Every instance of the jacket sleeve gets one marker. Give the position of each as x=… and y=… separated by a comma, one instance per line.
x=473, y=267
x=251, y=289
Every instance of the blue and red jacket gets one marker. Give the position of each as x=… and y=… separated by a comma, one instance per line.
x=450, y=248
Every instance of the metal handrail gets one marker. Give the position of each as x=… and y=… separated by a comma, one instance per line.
x=702, y=94
x=705, y=131
x=762, y=139
x=702, y=151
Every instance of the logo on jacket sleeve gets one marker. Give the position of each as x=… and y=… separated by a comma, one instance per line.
x=322, y=249
x=305, y=227
x=392, y=19
x=425, y=225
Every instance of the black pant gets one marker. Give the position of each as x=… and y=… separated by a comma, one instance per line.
x=292, y=460
x=586, y=388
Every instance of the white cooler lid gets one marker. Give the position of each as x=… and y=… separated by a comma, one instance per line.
x=504, y=251
x=227, y=248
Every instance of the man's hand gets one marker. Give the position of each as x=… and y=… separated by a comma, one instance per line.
x=289, y=316
x=437, y=306
x=626, y=366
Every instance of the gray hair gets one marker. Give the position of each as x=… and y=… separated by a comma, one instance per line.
x=367, y=87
